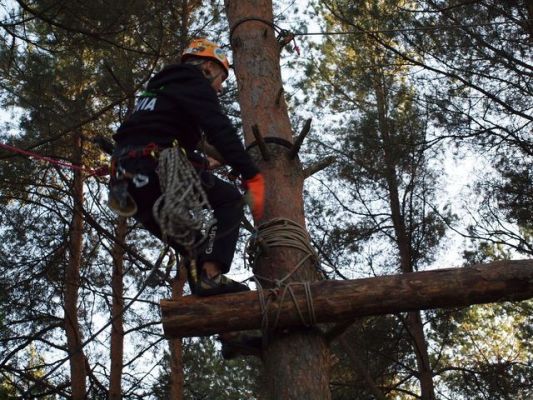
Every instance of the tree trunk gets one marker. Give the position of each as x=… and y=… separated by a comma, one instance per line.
x=362, y=369
x=117, y=328
x=185, y=8
x=296, y=361
x=176, y=345
x=414, y=324
x=415, y=328
x=78, y=372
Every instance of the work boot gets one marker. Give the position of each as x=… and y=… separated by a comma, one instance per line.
x=219, y=284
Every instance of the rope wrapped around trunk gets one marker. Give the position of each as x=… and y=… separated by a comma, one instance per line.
x=182, y=211
x=281, y=232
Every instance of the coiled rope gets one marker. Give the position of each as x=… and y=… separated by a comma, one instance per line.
x=282, y=232
x=182, y=211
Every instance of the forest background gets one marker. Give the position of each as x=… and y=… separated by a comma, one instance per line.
x=425, y=108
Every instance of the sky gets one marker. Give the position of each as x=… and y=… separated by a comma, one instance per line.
x=457, y=173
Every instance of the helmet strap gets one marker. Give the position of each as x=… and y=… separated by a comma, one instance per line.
x=195, y=61
x=202, y=64
x=207, y=72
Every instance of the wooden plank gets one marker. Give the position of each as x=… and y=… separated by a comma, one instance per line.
x=335, y=301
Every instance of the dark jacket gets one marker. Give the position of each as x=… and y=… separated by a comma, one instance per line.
x=179, y=103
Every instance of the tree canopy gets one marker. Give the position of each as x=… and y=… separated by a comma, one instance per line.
x=425, y=106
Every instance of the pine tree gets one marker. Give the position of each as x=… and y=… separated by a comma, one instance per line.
x=382, y=159
x=485, y=350
x=207, y=375
x=71, y=68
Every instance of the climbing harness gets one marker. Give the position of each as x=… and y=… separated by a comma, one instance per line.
x=120, y=201
x=182, y=211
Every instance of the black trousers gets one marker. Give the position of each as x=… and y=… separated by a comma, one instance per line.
x=224, y=198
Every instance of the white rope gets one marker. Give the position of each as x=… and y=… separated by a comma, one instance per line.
x=182, y=211
x=281, y=232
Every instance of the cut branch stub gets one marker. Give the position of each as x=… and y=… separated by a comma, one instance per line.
x=300, y=139
x=278, y=97
x=318, y=166
x=261, y=143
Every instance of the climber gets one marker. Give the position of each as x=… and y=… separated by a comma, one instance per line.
x=180, y=105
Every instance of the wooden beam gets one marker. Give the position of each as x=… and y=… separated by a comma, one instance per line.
x=335, y=301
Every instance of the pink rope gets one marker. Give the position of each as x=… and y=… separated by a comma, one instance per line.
x=98, y=172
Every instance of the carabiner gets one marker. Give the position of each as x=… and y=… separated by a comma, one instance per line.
x=140, y=180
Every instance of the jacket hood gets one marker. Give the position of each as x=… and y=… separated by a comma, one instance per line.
x=174, y=72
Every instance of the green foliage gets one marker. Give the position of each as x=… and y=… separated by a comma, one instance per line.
x=387, y=186
x=390, y=95
x=515, y=195
x=208, y=376
x=486, y=351
x=380, y=138
x=505, y=208
x=374, y=345
x=483, y=101
x=73, y=69
x=30, y=384
x=7, y=392
x=398, y=88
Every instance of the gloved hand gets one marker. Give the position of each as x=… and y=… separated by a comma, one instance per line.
x=255, y=195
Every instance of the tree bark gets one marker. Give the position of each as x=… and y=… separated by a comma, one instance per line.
x=414, y=322
x=117, y=327
x=335, y=301
x=296, y=362
x=177, y=378
x=78, y=372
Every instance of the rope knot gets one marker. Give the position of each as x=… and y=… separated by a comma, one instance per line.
x=282, y=232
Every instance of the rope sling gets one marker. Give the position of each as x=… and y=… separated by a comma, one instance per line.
x=182, y=211
x=281, y=232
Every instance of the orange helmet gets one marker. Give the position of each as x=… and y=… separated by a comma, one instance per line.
x=204, y=48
